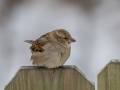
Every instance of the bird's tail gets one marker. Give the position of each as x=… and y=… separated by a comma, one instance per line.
x=29, y=41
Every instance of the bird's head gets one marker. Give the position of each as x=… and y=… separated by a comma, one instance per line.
x=63, y=37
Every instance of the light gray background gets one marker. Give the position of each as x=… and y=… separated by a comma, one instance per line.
x=95, y=24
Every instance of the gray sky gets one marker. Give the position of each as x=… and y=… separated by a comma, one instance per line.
x=95, y=28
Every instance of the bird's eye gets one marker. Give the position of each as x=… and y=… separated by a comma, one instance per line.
x=65, y=38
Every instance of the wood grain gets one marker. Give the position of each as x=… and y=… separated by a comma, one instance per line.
x=39, y=78
x=109, y=77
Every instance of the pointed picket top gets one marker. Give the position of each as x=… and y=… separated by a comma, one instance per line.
x=109, y=77
x=68, y=68
x=111, y=61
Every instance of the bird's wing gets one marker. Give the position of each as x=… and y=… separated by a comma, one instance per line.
x=38, y=44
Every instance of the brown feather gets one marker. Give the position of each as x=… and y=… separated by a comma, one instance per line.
x=36, y=46
x=51, y=49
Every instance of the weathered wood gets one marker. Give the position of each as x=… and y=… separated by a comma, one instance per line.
x=109, y=77
x=39, y=78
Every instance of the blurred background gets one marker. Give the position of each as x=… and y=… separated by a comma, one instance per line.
x=95, y=24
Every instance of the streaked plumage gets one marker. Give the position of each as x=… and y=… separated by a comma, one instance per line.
x=51, y=49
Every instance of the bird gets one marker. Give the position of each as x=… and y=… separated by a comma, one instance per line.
x=52, y=49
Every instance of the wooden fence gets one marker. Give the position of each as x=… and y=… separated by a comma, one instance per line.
x=64, y=78
x=109, y=77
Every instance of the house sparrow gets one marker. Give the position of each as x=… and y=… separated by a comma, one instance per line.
x=51, y=49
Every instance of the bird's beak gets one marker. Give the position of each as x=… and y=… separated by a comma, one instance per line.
x=71, y=40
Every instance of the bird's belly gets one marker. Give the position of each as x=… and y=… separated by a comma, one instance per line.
x=51, y=58
x=47, y=59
